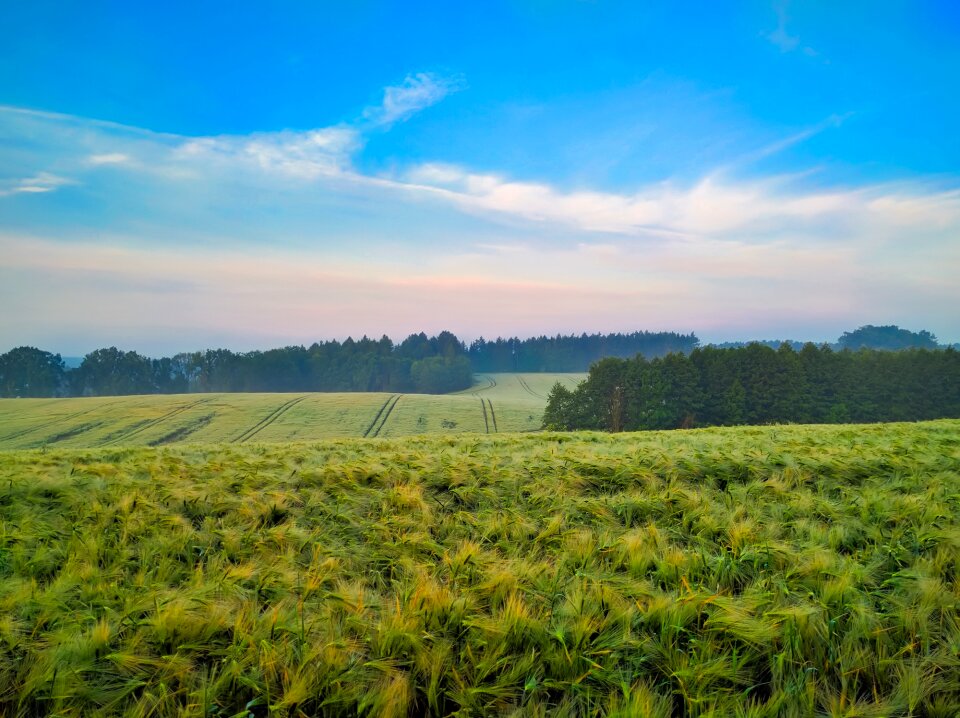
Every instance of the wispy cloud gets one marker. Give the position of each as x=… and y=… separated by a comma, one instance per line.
x=37, y=184
x=719, y=204
x=304, y=155
x=416, y=92
x=715, y=206
x=320, y=152
x=779, y=36
x=782, y=38
x=778, y=146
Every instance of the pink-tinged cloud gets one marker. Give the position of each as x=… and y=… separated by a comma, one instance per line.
x=184, y=299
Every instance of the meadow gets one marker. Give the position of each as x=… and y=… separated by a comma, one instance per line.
x=753, y=571
x=496, y=403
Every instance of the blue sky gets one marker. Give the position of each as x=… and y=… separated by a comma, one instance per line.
x=187, y=175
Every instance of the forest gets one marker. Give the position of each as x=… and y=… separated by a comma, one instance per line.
x=429, y=365
x=418, y=364
x=756, y=384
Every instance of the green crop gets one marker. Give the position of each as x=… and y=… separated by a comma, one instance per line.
x=775, y=571
x=497, y=403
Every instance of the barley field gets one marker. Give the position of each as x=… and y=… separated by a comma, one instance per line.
x=497, y=403
x=771, y=571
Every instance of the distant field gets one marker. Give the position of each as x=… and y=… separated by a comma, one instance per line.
x=497, y=403
x=759, y=572
x=524, y=387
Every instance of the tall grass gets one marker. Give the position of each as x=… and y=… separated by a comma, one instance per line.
x=781, y=571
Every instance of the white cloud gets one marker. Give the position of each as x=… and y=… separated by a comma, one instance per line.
x=415, y=93
x=37, y=184
x=109, y=158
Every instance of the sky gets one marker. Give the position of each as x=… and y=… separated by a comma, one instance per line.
x=178, y=176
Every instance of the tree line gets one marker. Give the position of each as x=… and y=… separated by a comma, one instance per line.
x=757, y=384
x=419, y=363
x=422, y=364
x=576, y=353
x=571, y=353
x=888, y=337
x=429, y=365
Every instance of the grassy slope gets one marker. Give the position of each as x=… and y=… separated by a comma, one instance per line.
x=776, y=571
x=152, y=420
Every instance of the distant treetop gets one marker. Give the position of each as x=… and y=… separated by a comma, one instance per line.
x=869, y=336
x=890, y=337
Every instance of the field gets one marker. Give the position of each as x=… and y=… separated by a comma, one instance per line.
x=497, y=403
x=774, y=571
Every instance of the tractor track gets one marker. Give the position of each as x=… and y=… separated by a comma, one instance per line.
x=486, y=422
x=183, y=432
x=491, y=382
x=527, y=388
x=47, y=425
x=267, y=420
x=70, y=433
x=154, y=422
x=377, y=417
x=386, y=414
x=493, y=417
